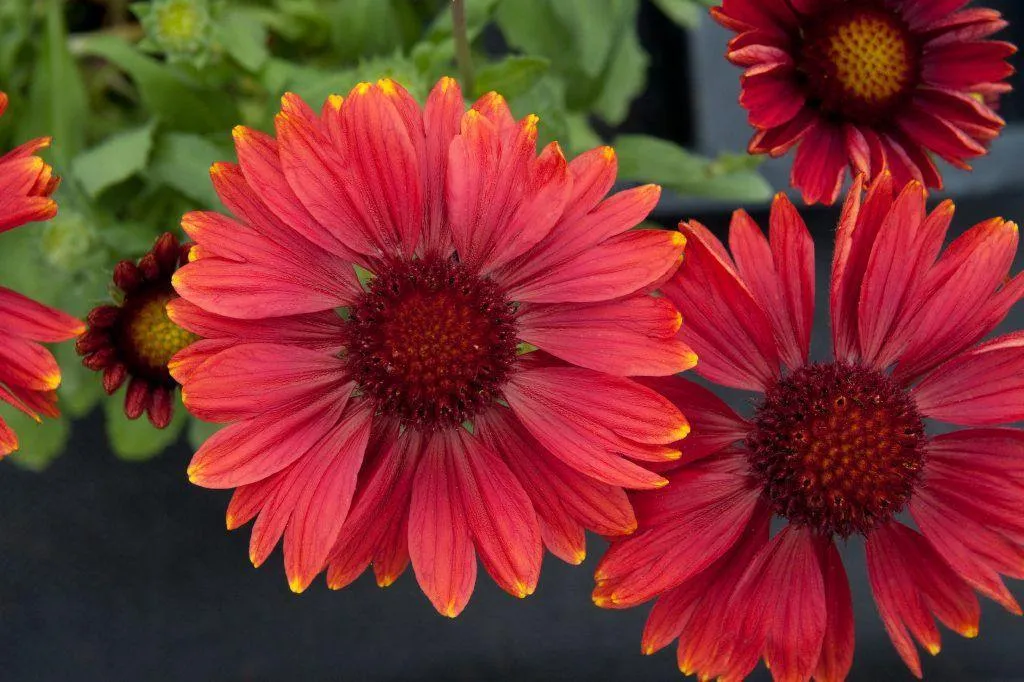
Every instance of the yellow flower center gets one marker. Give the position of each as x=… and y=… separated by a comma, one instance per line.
x=870, y=58
x=154, y=337
x=859, y=60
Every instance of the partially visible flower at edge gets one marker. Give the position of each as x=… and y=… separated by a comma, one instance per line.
x=838, y=448
x=872, y=84
x=134, y=340
x=473, y=397
x=29, y=375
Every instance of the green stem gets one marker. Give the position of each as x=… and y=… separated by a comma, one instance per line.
x=463, y=57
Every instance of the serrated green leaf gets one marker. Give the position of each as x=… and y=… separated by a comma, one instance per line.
x=244, y=36
x=137, y=439
x=182, y=161
x=114, y=160
x=512, y=76
x=165, y=90
x=38, y=443
x=649, y=159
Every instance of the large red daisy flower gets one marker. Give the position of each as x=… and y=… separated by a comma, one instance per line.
x=421, y=331
x=837, y=448
x=28, y=372
x=867, y=83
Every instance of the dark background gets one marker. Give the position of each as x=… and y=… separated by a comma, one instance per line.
x=119, y=571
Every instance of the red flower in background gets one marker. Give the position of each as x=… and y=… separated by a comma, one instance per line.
x=421, y=422
x=135, y=340
x=872, y=84
x=836, y=449
x=28, y=372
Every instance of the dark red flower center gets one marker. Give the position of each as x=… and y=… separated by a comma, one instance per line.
x=431, y=342
x=837, y=447
x=145, y=335
x=860, y=60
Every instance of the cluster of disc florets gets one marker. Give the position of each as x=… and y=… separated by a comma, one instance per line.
x=838, y=447
x=431, y=342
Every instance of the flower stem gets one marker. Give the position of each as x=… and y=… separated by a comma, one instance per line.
x=460, y=33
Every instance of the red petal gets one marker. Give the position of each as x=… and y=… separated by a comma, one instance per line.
x=591, y=420
x=723, y=322
x=442, y=116
x=963, y=297
x=684, y=529
x=636, y=336
x=21, y=316
x=983, y=386
x=28, y=365
x=380, y=507
x=910, y=582
x=619, y=266
x=780, y=275
x=714, y=425
x=440, y=542
x=324, y=496
x=250, y=379
x=820, y=164
x=779, y=607
x=837, y=645
x=500, y=515
x=250, y=450
x=319, y=331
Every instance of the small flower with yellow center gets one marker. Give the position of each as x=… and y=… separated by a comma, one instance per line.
x=179, y=28
x=134, y=341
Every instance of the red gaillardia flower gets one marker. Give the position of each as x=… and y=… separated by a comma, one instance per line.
x=837, y=448
x=134, y=340
x=872, y=84
x=29, y=375
x=421, y=333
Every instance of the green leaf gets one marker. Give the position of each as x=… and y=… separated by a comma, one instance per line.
x=166, y=91
x=57, y=102
x=137, y=439
x=38, y=443
x=592, y=45
x=199, y=431
x=686, y=13
x=80, y=387
x=624, y=79
x=114, y=160
x=244, y=36
x=182, y=161
x=511, y=76
x=648, y=159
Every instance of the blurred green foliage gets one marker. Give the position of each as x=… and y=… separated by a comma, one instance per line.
x=140, y=100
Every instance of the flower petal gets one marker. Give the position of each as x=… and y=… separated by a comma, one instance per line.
x=250, y=379
x=980, y=387
x=593, y=421
x=726, y=327
x=34, y=321
x=501, y=517
x=633, y=337
x=440, y=540
x=714, y=425
x=910, y=581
